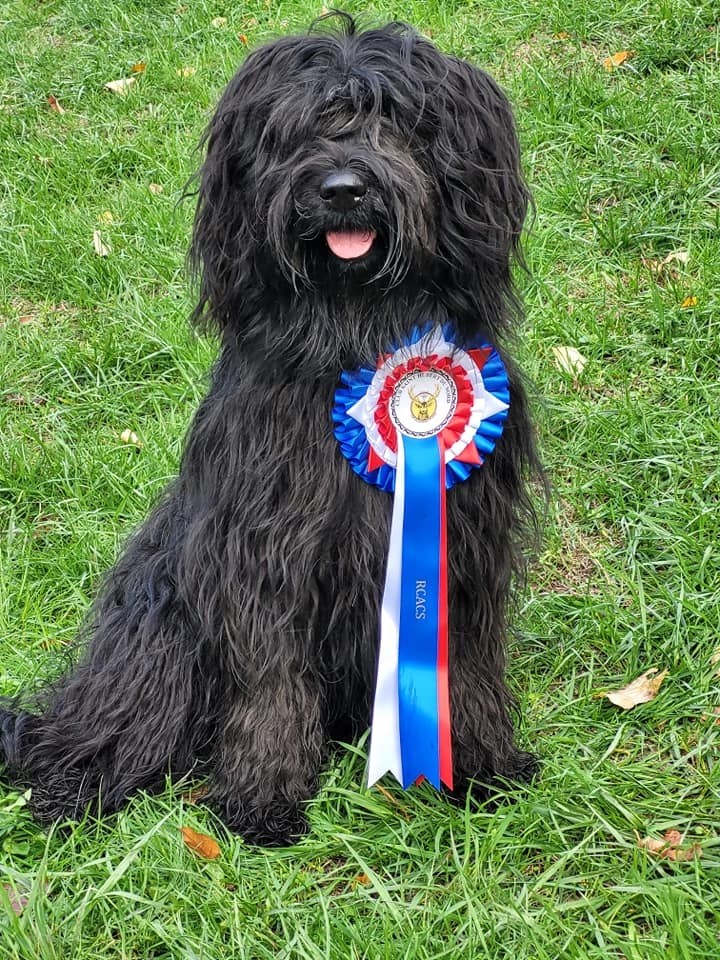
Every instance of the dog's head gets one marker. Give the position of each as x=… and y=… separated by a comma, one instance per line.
x=352, y=161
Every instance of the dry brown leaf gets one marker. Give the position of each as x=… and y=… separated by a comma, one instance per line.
x=55, y=104
x=44, y=524
x=643, y=689
x=669, y=847
x=138, y=68
x=242, y=37
x=17, y=901
x=569, y=360
x=654, y=266
x=200, y=843
x=715, y=661
x=155, y=188
x=120, y=86
x=54, y=643
x=714, y=716
x=219, y=22
x=101, y=249
x=689, y=302
x=617, y=59
x=677, y=256
x=187, y=71
x=665, y=269
x=127, y=436
x=196, y=794
x=362, y=879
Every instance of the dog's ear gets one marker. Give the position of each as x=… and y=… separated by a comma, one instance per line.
x=224, y=245
x=483, y=198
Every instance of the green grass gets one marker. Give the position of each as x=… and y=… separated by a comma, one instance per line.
x=625, y=167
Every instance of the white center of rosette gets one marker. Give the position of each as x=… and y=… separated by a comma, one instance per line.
x=423, y=403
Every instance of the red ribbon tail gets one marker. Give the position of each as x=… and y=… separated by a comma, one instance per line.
x=444, y=730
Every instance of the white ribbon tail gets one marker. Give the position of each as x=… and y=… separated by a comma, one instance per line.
x=385, y=735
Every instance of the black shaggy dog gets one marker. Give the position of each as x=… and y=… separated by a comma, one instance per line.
x=237, y=634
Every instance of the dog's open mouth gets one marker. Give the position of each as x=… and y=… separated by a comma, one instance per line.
x=350, y=245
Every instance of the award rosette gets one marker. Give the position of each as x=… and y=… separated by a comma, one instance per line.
x=416, y=425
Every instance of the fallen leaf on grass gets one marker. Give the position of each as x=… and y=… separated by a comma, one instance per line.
x=714, y=716
x=242, y=37
x=20, y=400
x=155, y=188
x=196, y=794
x=17, y=901
x=362, y=879
x=120, y=86
x=127, y=436
x=187, y=71
x=563, y=35
x=200, y=843
x=688, y=302
x=665, y=269
x=617, y=59
x=54, y=643
x=45, y=523
x=55, y=104
x=138, y=68
x=219, y=22
x=643, y=689
x=569, y=360
x=669, y=847
x=677, y=256
x=101, y=249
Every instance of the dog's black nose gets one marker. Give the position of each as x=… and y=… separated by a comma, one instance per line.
x=343, y=190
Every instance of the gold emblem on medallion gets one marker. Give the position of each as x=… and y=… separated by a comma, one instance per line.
x=423, y=404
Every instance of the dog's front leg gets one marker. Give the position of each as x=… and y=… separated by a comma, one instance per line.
x=484, y=557
x=271, y=743
x=482, y=709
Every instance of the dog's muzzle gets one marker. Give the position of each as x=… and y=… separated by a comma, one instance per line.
x=343, y=191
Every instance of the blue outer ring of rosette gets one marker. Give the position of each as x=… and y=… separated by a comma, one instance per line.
x=351, y=436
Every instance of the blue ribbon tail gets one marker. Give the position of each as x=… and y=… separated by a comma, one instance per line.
x=420, y=611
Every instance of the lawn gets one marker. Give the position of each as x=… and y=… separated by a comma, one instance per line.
x=624, y=252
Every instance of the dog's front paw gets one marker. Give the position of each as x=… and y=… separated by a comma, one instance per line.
x=520, y=767
x=485, y=781
x=280, y=825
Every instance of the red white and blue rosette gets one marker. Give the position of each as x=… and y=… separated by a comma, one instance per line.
x=420, y=422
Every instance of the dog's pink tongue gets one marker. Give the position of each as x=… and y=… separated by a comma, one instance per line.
x=349, y=245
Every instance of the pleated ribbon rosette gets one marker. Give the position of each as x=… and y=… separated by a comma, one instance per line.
x=420, y=422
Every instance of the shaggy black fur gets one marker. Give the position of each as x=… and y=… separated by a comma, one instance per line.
x=237, y=634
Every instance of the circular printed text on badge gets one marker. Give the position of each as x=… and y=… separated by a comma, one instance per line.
x=423, y=402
